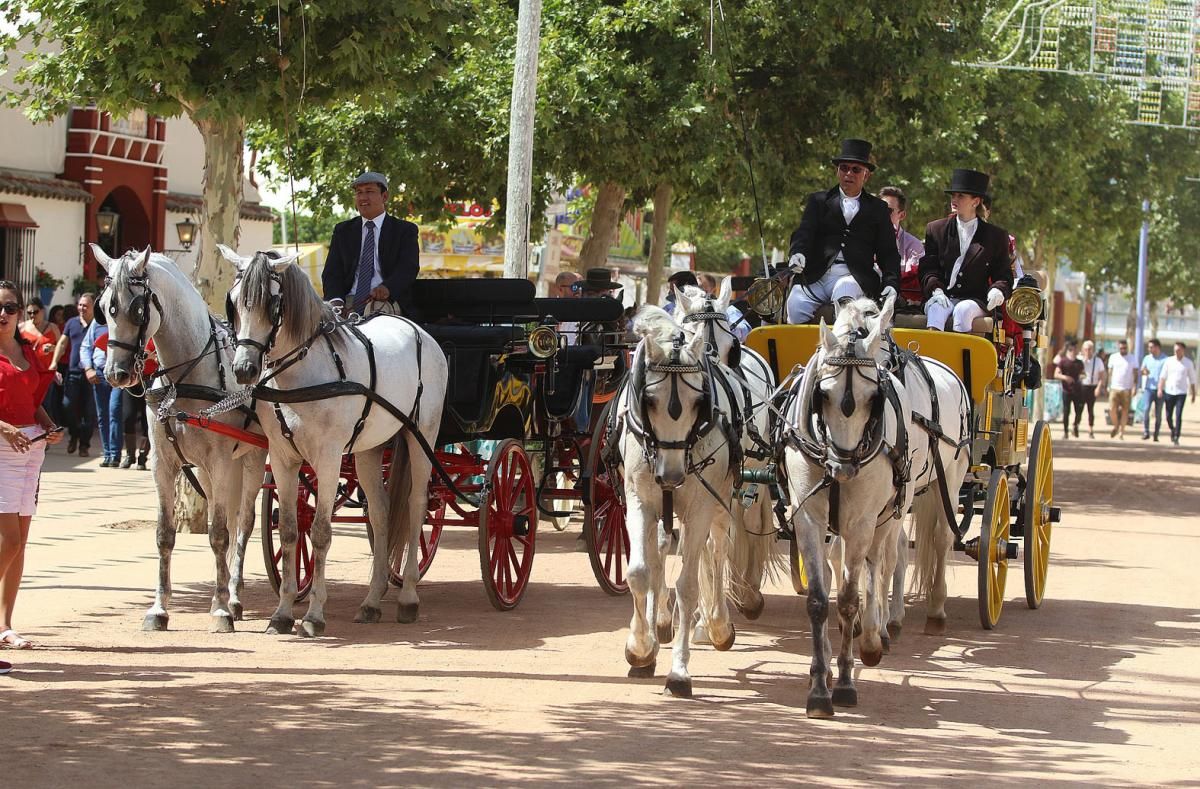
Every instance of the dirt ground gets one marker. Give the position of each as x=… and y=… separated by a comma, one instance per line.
x=1099, y=687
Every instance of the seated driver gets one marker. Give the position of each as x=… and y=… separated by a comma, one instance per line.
x=965, y=271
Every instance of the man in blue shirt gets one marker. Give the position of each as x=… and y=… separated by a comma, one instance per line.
x=77, y=392
x=1152, y=365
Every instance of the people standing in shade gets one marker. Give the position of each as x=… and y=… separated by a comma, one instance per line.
x=845, y=246
x=909, y=246
x=133, y=415
x=374, y=259
x=1152, y=364
x=93, y=353
x=1176, y=379
x=78, y=409
x=1122, y=380
x=1070, y=372
x=25, y=430
x=1090, y=383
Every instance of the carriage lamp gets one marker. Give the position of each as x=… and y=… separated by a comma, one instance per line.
x=543, y=342
x=187, y=232
x=1024, y=305
x=106, y=221
x=766, y=296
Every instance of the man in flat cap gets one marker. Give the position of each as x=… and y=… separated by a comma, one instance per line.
x=374, y=259
x=845, y=246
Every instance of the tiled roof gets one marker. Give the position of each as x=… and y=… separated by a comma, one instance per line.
x=192, y=204
x=42, y=186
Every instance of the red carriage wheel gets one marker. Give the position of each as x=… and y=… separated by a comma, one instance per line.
x=507, y=526
x=604, y=516
x=306, y=499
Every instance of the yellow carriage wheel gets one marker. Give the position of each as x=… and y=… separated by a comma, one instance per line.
x=993, y=549
x=796, y=562
x=1039, y=500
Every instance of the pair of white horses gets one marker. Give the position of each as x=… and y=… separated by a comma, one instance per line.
x=856, y=430
x=285, y=339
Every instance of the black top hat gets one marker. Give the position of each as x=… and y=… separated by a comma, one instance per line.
x=856, y=151
x=599, y=279
x=682, y=279
x=969, y=182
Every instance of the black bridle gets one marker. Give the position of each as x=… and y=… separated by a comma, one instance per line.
x=819, y=445
x=714, y=319
x=139, y=315
x=274, y=312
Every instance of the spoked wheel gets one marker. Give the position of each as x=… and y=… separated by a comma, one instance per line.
x=796, y=563
x=970, y=495
x=507, y=526
x=993, y=549
x=306, y=499
x=566, y=455
x=1038, y=506
x=604, y=517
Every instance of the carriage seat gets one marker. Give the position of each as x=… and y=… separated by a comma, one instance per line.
x=573, y=374
x=910, y=320
x=469, y=351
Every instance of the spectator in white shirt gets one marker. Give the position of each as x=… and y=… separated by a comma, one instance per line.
x=1090, y=381
x=1122, y=380
x=1177, y=379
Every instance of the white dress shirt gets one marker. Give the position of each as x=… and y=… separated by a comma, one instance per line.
x=1092, y=368
x=850, y=206
x=1120, y=372
x=377, y=278
x=966, y=232
x=1177, y=375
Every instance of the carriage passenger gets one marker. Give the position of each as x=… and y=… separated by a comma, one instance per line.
x=965, y=270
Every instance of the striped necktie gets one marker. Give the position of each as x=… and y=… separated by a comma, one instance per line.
x=366, y=268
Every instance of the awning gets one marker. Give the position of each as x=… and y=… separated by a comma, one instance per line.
x=15, y=215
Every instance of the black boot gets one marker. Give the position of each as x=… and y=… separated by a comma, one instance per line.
x=129, y=442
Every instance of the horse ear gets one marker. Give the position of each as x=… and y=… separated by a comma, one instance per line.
x=725, y=295
x=654, y=351
x=697, y=345
x=685, y=303
x=138, y=269
x=279, y=264
x=102, y=258
x=233, y=257
x=828, y=340
x=887, y=313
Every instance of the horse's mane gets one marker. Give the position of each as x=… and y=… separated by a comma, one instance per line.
x=656, y=324
x=303, y=309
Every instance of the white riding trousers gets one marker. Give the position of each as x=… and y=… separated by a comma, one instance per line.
x=965, y=311
x=836, y=284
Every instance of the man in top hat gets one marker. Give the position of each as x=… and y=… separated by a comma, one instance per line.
x=965, y=270
x=845, y=246
x=374, y=259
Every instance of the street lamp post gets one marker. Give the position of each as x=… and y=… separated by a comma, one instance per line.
x=1143, y=250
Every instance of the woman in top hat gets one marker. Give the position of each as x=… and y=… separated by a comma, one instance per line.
x=844, y=240
x=965, y=270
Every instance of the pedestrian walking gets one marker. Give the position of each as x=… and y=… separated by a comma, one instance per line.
x=1176, y=380
x=1070, y=372
x=93, y=353
x=1152, y=364
x=1090, y=382
x=78, y=410
x=26, y=429
x=1122, y=380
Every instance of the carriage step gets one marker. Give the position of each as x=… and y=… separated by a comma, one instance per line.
x=1056, y=514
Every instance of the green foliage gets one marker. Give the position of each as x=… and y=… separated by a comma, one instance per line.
x=306, y=228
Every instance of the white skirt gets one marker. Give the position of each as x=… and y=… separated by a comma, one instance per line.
x=20, y=473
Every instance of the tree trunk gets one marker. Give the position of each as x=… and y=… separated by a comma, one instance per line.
x=602, y=233
x=658, y=243
x=224, y=139
x=1131, y=324
x=191, y=510
x=520, y=147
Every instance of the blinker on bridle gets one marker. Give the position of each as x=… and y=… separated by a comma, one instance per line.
x=139, y=315
x=274, y=312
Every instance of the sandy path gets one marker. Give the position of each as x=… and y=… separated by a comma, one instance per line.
x=1098, y=687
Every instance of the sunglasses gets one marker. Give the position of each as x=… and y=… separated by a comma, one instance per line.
x=11, y=307
x=32, y=311
x=857, y=169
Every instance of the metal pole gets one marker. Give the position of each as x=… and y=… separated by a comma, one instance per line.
x=517, y=206
x=1143, y=247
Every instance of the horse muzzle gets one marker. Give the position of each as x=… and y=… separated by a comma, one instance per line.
x=246, y=372
x=841, y=471
x=118, y=377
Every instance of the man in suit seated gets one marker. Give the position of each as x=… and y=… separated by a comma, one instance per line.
x=845, y=246
x=373, y=259
x=965, y=271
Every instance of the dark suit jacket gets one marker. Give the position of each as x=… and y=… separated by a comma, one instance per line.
x=399, y=260
x=986, y=265
x=867, y=241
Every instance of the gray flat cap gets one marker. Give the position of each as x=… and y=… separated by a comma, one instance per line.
x=371, y=178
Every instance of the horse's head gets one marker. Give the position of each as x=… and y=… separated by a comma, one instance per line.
x=131, y=311
x=848, y=398
x=265, y=306
x=702, y=314
x=670, y=387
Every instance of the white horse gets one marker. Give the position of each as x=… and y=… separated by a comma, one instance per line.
x=196, y=371
x=675, y=436
x=287, y=335
x=854, y=462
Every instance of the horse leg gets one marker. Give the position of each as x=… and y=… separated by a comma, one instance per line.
x=644, y=575
x=896, y=607
x=218, y=540
x=164, y=536
x=251, y=476
x=934, y=538
x=286, y=485
x=659, y=601
x=844, y=693
x=880, y=564
x=327, y=467
x=721, y=631
x=369, y=467
x=752, y=537
x=414, y=508
x=809, y=528
x=687, y=589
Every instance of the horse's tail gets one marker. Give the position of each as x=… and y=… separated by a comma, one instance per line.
x=928, y=518
x=399, y=490
x=752, y=557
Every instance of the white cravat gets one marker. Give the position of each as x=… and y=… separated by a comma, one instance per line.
x=849, y=207
x=966, y=231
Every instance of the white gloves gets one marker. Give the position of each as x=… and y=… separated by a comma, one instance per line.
x=995, y=298
x=889, y=291
x=939, y=299
x=796, y=263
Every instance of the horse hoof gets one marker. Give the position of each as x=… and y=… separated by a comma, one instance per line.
x=727, y=644
x=754, y=609
x=642, y=672
x=280, y=626
x=222, y=624
x=845, y=696
x=893, y=629
x=639, y=662
x=406, y=613
x=679, y=688
x=819, y=707
x=887, y=644
x=312, y=629
x=935, y=626
x=237, y=611
x=871, y=657
x=156, y=622
x=664, y=632
x=368, y=615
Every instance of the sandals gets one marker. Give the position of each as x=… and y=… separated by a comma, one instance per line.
x=9, y=639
